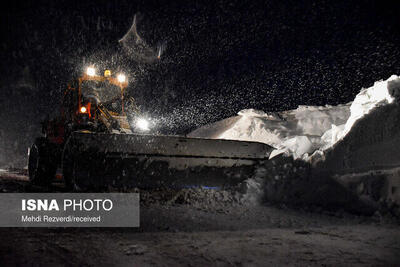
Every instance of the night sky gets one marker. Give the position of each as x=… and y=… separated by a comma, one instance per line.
x=220, y=57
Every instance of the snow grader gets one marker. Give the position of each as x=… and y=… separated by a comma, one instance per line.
x=98, y=139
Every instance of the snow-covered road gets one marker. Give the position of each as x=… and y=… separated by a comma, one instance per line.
x=205, y=234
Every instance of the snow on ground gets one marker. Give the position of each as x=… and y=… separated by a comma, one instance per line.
x=307, y=129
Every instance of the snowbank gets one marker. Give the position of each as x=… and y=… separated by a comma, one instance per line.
x=369, y=99
x=307, y=130
x=349, y=154
x=298, y=132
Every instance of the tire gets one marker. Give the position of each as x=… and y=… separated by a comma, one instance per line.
x=69, y=169
x=74, y=177
x=79, y=169
x=41, y=170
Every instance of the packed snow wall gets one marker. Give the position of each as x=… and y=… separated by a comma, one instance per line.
x=309, y=131
x=337, y=155
x=370, y=138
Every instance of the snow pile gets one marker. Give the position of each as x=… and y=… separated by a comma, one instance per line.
x=298, y=131
x=369, y=99
x=350, y=152
x=307, y=129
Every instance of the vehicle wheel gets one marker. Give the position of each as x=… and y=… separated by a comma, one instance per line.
x=40, y=168
x=75, y=178
x=72, y=175
x=82, y=171
x=67, y=167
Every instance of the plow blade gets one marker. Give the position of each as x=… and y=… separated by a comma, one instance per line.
x=129, y=160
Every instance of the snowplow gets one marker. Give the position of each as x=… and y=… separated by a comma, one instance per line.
x=98, y=139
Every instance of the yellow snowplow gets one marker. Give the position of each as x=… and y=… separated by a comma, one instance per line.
x=99, y=139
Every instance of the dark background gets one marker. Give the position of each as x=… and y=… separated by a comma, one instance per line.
x=221, y=57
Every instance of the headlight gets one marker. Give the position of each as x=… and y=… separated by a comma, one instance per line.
x=107, y=73
x=142, y=124
x=83, y=110
x=121, y=78
x=91, y=71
